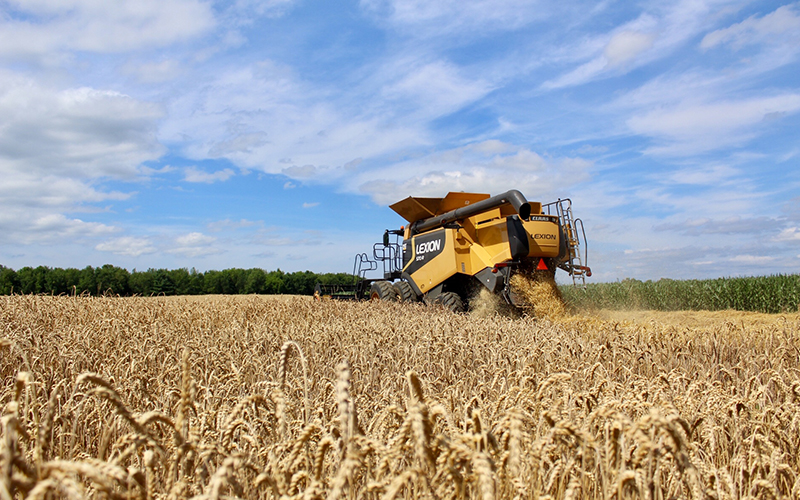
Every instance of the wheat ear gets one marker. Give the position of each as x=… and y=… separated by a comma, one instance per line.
x=282, y=373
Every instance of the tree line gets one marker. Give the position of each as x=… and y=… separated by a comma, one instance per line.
x=114, y=280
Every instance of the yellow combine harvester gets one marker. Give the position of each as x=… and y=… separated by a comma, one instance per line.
x=455, y=245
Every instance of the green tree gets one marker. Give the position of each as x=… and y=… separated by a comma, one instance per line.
x=196, y=282
x=32, y=280
x=300, y=283
x=86, y=281
x=162, y=283
x=9, y=282
x=256, y=281
x=111, y=279
x=56, y=281
x=273, y=282
x=212, y=283
x=180, y=277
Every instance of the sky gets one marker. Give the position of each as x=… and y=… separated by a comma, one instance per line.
x=274, y=134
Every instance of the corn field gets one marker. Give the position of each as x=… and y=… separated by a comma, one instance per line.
x=286, y=398
x=767, y=294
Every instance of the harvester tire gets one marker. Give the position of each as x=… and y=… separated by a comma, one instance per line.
x=382, y=290
x=404, y=292
x=450, y=301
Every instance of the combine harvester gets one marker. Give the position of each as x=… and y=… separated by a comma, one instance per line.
x=456, y=245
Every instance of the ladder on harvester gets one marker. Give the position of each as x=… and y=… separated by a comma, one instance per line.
x=575, y=235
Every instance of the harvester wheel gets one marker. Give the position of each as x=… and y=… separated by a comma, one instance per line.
x=382, y=290
x=450, y=301
x=404, y=292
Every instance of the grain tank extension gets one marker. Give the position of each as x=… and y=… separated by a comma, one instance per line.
x=454, y=246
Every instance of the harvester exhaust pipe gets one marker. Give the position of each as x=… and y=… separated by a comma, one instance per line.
x=513, y=197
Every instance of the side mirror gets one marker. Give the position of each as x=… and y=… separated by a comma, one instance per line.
x=386, y=238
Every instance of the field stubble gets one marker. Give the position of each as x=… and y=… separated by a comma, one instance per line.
x=254, y=397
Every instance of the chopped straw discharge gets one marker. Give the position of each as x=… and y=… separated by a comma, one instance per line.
x=541, y=291
x=251, y=397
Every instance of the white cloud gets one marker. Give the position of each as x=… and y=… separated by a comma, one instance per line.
x=715, y=175
x=789, y=234
x=40, y=27
x=194, y=239
x=154, y=72
x=25, y=227
x=771, y=28
x=259, y=116
x=582, y=74
x=79, y=132
x=696, y=127
x=625, y=46
x=128, y=246
x=655, y=34
x=229, y=224
x=420, y=18
x=304, y=172
x=730, y=225
x=195, y=244
x=310, y=205
x=434, y=89
x=475, y=168
x=57, y=147
x=193, y=174
x=352, y=165
x=753, y=259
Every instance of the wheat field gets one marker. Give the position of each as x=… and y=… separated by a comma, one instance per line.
x=258, y=397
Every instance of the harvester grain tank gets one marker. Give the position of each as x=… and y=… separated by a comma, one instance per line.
x=453, y=246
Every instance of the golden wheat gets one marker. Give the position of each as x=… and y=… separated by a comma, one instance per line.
x=254, y=397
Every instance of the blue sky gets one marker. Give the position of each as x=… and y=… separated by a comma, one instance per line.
x=274, y=134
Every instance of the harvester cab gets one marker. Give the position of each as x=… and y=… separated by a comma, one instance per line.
x=456, y=245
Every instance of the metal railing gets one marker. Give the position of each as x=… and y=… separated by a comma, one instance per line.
x=575, y=265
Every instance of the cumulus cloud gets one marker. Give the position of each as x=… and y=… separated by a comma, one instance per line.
x=195, y=244
x=38, y=29
x=789, y=234
x=128, y=246
x=57, y=146
x=310, y=204
x=38, y=227
x=80, y=132
x=485, y=167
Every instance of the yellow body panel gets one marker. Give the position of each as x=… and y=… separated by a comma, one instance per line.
x=438, y=268
x=493, y=237
x=542, y=238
